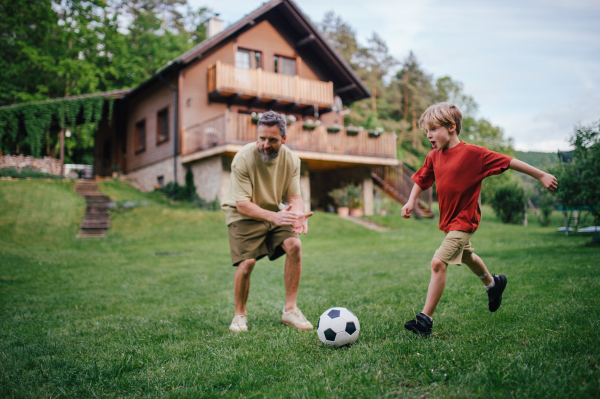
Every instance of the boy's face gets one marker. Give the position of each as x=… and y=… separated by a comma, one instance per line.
x=439, y=136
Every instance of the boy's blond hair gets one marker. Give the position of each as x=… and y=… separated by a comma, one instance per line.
x=441, y=114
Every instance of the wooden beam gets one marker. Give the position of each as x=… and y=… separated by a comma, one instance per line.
x=62, y=152
x=306, y=40
x=345, y=88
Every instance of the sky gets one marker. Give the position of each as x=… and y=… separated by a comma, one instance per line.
x=532, y=66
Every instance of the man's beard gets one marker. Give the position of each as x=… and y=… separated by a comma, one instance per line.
x=267, y=157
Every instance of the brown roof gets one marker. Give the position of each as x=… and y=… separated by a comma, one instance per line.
x=286, y=16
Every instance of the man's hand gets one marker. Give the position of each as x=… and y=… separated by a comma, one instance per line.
x=301, y=224
x=406, y=210
x=285, y=218
x=549, y=181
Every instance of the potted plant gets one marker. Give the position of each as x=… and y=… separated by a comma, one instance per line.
x=341, y=200
x=354, y=200
x=309, y=124
x=290, y=119
x=335, y=128
x=374, y=133
x=255, y=117
x=353, y=130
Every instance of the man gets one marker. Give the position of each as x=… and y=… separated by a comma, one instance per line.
x=262, y=173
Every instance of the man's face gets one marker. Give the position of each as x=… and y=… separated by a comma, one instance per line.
x=439, y=136
x=269, y=142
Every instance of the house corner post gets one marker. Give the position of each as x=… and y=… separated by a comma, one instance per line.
x=368, y=194
x=305, y=185
x=62, y=152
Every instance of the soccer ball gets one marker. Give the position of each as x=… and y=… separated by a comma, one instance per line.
x=338, y=327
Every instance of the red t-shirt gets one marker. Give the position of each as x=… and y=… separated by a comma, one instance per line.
x=458, y=172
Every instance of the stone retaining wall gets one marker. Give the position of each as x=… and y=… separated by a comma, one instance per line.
x=46, y=164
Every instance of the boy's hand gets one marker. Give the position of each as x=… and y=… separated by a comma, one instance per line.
x=549, y=181
x=406, y=210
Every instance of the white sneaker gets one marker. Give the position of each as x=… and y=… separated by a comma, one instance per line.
x=296, y=319
x=239, y=323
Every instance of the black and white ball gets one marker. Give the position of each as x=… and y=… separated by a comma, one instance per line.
x=338, y=327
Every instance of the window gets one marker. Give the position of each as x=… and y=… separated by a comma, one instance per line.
x=257, y=59
x=140, y=136
x=160, y=180
x=242, y=59
x=284, y=65
x=248, y=59
x=162, y=126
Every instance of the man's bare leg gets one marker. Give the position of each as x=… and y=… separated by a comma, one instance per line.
x=293, y=271
x=436, y=286
x=477, y=266
x=241, y=285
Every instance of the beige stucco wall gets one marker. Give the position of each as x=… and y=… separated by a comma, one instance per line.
x=146, y=178
x=207, y=177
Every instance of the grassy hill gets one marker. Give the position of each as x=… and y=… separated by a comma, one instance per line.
x=111, y=318
x=538, y=159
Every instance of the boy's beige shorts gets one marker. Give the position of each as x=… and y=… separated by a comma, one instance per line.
x=453, y=247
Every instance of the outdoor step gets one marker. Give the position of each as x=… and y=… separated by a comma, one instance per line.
x=96, y=211
x=92, y=233
x=96, y=220
x=95, y=225
x=99, y=218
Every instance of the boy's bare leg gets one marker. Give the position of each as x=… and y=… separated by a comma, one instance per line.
x=478, y=267
x=436, y=286
x=241, y=285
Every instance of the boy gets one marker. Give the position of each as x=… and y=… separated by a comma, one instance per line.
x=458, y=169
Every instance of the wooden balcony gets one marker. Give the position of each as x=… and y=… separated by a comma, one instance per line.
x=229, y=132
x=227, y=81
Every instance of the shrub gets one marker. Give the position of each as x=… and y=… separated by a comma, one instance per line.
x=188, y=193
x=508, y=203
x=25, y=173
x=546, y=206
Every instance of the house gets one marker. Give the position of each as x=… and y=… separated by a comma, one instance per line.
x=197, y=111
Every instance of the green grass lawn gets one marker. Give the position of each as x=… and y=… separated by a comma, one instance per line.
x=109, y=318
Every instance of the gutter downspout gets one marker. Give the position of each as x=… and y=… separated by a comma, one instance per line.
x=175, y=122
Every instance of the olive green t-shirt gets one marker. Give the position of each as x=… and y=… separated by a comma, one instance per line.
x=262, y=183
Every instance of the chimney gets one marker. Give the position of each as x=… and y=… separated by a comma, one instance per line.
x=213, y=26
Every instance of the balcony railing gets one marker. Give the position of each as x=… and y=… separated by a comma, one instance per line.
x=234, y=128
x=228, y=80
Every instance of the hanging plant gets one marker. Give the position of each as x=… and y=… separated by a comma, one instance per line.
x=335, y=128
x=255, y=117
x=289, y=119
x=310, y=124
x=353, y=130
x=374, y=133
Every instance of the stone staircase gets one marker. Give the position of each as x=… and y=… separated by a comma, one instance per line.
x=96, y=220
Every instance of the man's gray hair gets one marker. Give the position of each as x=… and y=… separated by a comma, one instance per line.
x=271, y=118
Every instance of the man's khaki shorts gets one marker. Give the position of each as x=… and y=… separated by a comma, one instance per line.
x=253, y=239
x=453, y=247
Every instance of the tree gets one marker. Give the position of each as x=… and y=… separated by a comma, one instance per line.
x=579, y=180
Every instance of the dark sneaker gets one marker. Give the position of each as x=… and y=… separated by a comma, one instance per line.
x=495, y=293
x=421, y=325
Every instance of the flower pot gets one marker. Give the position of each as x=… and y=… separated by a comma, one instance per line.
x=356, y=212
x=343, y=211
